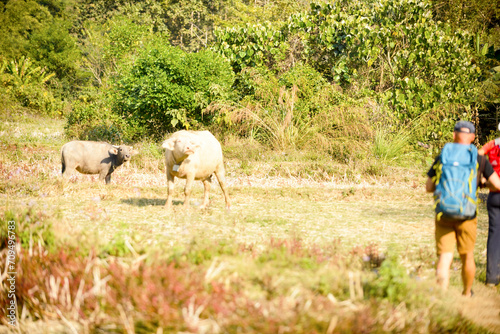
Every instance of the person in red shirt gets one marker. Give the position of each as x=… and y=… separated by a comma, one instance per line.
x=492, y=149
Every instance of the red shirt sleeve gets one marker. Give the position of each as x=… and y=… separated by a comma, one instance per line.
x=488, y=146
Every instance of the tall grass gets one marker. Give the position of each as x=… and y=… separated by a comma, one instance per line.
x=278, y=125
x=339, y=131
x=390, y=146
x=281, y=134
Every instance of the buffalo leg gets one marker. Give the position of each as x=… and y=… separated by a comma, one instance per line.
x=103, y=176
x=187, y=189
x=170, y=190
x=68, y=172
x=206, y=184
x=220, y=174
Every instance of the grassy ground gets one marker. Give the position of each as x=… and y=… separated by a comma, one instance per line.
x=304, y=240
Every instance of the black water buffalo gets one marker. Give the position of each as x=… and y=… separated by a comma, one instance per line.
x=90, y=157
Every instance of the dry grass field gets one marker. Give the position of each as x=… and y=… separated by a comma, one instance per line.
x=303, y=249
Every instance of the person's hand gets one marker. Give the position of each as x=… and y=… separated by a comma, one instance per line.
x=483, y=182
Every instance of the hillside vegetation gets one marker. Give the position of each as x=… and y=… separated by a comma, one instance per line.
x=335, y=77
x=329, y=114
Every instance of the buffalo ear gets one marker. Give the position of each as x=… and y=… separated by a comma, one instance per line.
x=169, y=144
x=113, y=151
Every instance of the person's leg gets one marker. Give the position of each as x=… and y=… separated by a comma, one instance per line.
x=466, y=240
x=493, y=243
x=468, y=272
x=443, y=269
x=445, y=246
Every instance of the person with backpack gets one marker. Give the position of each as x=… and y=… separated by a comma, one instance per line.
x=454, y=178
x=492, y=149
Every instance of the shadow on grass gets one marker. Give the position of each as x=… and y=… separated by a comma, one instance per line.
x=481, y=272
x=141, y=201
x=483, y=197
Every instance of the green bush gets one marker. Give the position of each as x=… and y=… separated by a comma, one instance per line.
x=415, y=63
x=299, y=110
x=56, y=49
x=92, y=119
x=392, y=282
x=167, y=88
x=27, y=83
x=252, y=45
x=89, y=121
x=391, y=51
x=44, y=32
x=306, y=78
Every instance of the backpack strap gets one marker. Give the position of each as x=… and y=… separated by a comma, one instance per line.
x=480, y=169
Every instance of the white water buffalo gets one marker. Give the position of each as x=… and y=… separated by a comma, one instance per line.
x=90, y=157
x=194, y=155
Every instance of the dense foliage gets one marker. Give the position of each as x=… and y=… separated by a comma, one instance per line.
x=41, y=31
x=26, y=82
x=337, y=69
x=167, y=88
x=393, y=51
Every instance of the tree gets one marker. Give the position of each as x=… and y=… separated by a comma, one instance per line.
x=54, y=48
x=18, y=21
x=41, y=31
x=411, y=62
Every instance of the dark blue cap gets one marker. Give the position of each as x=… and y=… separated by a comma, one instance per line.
x=464, y=126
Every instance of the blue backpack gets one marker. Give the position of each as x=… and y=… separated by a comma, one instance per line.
x=456, y=182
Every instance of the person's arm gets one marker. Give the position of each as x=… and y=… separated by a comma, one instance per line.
x=493, y=182
x=488, y=173
x=430, y=186
x=486, y=147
